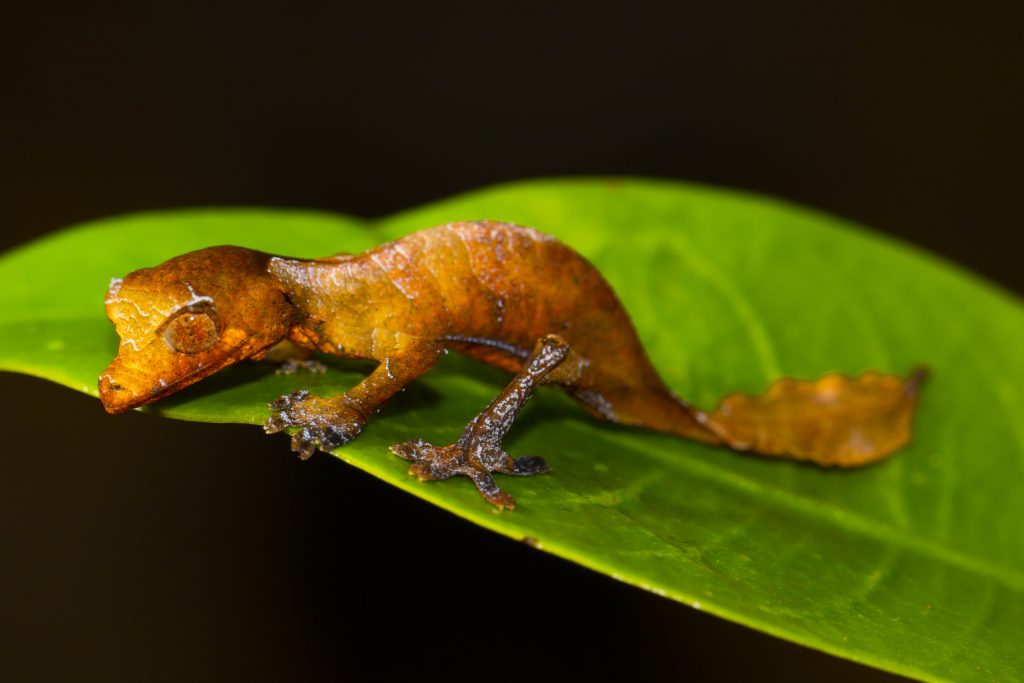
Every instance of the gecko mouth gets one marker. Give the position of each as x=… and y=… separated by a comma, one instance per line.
x=118, y=397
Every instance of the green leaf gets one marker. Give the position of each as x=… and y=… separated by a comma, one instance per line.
x=915, y=565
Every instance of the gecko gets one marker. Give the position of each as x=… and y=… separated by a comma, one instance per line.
x=509, y=296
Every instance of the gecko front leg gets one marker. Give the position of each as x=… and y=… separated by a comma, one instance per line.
x=328, y=423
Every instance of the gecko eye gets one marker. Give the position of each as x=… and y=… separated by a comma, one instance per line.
x=191, y=332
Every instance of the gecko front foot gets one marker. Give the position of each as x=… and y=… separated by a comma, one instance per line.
x=475, y=461
x=323, y=423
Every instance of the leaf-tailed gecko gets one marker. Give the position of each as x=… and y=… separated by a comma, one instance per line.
x=509, y=296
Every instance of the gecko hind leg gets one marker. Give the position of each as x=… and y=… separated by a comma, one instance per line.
x=478, y=451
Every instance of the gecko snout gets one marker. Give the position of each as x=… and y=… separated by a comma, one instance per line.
x=115, y=397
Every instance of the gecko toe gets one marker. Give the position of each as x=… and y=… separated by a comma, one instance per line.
x=500, y=499
x=304, y=443
x=276, y=423
x=488, y=488
x=529, y=464
x=326, y=438
x=286, y=401
x=430, y=462
x=422, y=472
x=406, y=449
x=333, y=436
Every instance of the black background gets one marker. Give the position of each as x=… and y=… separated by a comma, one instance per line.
x=137, y=548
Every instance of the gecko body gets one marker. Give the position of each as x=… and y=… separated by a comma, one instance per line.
x=508, y=296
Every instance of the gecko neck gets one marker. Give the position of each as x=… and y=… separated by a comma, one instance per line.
x=326, y=295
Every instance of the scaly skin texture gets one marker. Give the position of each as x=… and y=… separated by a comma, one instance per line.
x=505, y=295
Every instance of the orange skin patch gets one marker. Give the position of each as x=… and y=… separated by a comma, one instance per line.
x=509, y=296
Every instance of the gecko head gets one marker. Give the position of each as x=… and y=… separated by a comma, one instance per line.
x=187, y=318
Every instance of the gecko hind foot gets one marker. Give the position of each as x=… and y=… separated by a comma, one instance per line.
x=478, y=452
x=431, y=463
x=292, y=365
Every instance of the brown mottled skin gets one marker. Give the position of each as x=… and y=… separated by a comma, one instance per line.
x=506, y=295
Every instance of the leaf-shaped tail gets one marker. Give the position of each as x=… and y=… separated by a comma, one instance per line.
x=836, y=421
